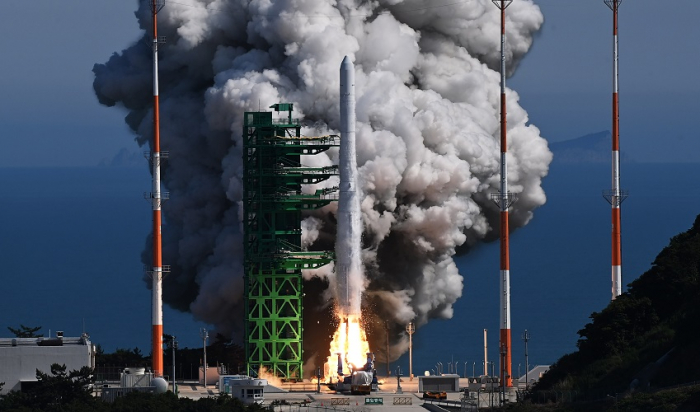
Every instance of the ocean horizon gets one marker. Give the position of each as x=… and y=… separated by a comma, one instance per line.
x=72, y=240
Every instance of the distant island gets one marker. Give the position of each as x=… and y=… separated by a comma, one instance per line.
x=591, y=148
x=124, y=158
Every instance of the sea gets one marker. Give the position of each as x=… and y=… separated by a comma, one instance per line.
x=71, y=241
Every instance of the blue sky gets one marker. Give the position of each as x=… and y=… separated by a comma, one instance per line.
x=49, y=115
x=565, y=82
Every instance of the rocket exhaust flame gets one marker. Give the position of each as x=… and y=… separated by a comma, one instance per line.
x=348, y=350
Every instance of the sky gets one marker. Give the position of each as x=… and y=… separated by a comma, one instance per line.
x=49, y=115
x=565, y=82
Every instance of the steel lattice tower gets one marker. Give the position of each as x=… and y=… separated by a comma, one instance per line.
x=616, y=195
x=504, y=199
x=156, y=196
x=273, y=202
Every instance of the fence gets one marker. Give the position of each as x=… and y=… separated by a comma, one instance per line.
x=300, y=387
x=554, y=396
x=596, y=395
x=183, y=372
x=307, y=408
x=403, y=400
x=110, y=394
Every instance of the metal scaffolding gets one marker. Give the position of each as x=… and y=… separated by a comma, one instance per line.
x=273, y=202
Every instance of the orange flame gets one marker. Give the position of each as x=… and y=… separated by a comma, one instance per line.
x=350, y=341
x=273, y=380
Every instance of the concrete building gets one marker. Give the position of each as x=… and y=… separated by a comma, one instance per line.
x=248, y=390
x=439, y=383
x=533, y=376
x=21, y=357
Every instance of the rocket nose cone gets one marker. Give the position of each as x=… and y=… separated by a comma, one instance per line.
x=346, y=64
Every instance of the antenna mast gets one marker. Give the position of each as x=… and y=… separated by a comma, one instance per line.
x=504, y=199
x=615, y=196
x=156, y=197
x=410, y=329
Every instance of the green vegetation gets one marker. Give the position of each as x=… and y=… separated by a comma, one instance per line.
x=61, y=390
x=220, y=352
x=58, y=391
x=25, y=331
x=644, y=340
x=121, y=357
x=681, y=399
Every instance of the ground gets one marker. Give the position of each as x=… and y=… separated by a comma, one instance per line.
x=306, y=394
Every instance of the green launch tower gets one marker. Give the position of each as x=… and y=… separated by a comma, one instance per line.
x=273, y=201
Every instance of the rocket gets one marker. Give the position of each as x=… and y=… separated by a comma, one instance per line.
x=347, y=247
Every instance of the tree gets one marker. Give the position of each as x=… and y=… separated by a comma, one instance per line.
x=647, y=334
x=169, y=340
x=58, y=391
x=26, y=332
x=121, y=357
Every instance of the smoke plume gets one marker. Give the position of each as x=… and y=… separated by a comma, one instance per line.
x=427, y=136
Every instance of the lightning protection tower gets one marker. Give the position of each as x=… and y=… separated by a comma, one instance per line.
x=504, y=199
x=273, y=202
x=615, y=196
x=156, y=197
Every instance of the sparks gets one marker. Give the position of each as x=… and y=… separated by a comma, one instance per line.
x=350, y=343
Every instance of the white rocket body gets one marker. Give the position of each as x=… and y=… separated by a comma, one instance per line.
x=349, y=274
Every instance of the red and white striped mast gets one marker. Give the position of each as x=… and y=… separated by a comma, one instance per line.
x=504, y=200
x=615, y=196
x=156, y=197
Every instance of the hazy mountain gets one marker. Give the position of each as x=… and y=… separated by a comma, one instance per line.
x=591, y=148
x=124, y=158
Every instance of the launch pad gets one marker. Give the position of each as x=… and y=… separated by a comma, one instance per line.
x=274, y=196
x=392, y=394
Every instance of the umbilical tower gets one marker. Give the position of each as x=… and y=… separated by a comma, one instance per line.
x=273, y=205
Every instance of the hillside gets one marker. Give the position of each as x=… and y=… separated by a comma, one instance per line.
x=645, y=339
x=591, y=148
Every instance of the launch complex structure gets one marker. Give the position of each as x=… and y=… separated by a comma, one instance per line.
x=273, y=201
x=274, y=198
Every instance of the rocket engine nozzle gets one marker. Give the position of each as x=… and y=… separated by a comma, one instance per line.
x=340, y=364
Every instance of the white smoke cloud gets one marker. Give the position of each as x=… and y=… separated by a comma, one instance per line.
x=427, y=134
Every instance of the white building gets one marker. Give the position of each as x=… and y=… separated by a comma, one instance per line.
x=438, y=383
x=533, y=376
x=247, y=389
x=21, y=357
